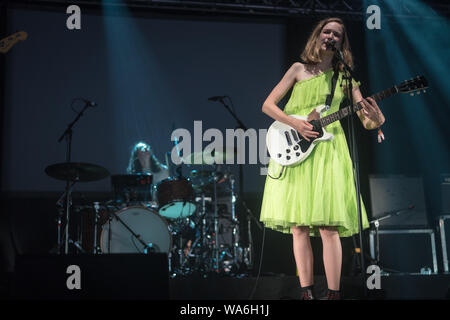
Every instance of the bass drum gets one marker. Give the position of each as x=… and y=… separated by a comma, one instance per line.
x=146, y=223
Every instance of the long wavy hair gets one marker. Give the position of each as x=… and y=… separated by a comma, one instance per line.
x=311, y=53
x=134, y=166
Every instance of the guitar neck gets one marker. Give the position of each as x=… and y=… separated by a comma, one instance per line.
x=344, y=112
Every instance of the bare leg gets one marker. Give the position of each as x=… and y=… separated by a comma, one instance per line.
x=303, y=255
x=332, y=256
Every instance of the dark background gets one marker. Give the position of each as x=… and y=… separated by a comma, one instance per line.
x=151, y=73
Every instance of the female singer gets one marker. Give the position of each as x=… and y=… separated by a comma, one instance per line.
x=317, y=197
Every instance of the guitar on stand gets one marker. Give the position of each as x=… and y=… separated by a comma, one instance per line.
x=7, y=43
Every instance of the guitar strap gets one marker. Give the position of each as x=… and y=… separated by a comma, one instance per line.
x=333, y=83
x=333, y=87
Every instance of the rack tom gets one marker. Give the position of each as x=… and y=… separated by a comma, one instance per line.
x=175, y=198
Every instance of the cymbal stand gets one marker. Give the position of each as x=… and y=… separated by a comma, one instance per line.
x=68, y=191
x=236, y=255
x=203, y=234
x=249, y=249
x=216, y=230
x=64, y=202
x=96, y=217
x=68, y=136
x=248, y=252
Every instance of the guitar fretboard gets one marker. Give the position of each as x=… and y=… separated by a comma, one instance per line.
x=344, y=112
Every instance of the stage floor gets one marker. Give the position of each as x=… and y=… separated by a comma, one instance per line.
x=279, y=287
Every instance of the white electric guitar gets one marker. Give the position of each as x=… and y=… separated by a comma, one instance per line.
x=287, y=147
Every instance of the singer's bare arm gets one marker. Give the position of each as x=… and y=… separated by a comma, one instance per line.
x=270, y=106
x=295, y=73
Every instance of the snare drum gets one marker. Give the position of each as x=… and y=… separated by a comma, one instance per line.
x=147, y=223
x=175, y=198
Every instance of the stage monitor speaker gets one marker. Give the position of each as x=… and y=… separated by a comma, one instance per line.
x=395, y=194
x=92, y=277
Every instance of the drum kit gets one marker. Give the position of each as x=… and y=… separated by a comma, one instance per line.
x=192, y=218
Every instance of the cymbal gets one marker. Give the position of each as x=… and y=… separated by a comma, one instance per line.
x=76, y=171
x=210, y=158
x=202, y=178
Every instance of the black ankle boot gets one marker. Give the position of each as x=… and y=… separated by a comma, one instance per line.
x=332, y=295
x=307, y=293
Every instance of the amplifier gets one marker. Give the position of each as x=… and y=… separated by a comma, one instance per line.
x=396, y=195
x=91, y=277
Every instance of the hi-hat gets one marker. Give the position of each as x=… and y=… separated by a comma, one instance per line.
x=76, y=171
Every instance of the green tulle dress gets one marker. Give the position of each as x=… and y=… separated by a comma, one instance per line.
x=320, y=191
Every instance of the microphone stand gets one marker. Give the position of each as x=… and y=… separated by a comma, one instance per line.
x=240, y=125
x=68, y=135
x=376, y=223
x=348, y=76
x=138, y=237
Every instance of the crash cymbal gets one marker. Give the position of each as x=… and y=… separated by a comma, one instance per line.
x=76, y=171
x=210, y=158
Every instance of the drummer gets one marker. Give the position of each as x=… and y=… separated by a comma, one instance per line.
x=143, y=160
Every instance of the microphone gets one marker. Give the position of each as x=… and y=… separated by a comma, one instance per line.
x=215, y=98
x=90, y=103
x=330, y=44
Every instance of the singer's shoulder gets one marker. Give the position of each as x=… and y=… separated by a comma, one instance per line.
x=298, y=66
x=298, y=70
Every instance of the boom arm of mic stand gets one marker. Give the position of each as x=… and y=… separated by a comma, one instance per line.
x=389, y=214
x=69, y=127
x=138, y=237
x=240, y=124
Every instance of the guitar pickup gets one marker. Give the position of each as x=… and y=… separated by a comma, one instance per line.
x=288, y=138
x=294, y=134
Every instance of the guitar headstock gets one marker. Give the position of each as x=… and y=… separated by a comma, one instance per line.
x=21, y=35
x=414, y=85
x=8, y=42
